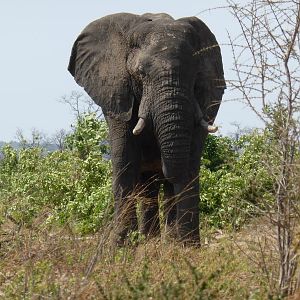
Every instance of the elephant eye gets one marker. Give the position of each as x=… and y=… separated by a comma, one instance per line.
x=141, y=70
x=144, y=67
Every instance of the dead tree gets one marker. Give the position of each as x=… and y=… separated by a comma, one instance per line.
x=267, y=67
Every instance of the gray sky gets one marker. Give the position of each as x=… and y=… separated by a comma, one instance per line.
x=36, y=40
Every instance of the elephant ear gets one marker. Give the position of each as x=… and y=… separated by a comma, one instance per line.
x=98, y=64
x=210, y=83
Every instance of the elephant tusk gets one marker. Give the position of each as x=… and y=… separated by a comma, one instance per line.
x=212, y=128
x=139, y=126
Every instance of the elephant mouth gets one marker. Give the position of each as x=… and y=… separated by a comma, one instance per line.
x=152, y=166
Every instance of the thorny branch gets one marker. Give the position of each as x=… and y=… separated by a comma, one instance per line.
x=266, y=63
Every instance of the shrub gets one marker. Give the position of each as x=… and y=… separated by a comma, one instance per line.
x=238, y=184
x=72, y=185
x=219, y=152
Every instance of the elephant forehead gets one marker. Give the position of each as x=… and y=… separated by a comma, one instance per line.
x=177, y=49
x=160, y=32
x=171, y=35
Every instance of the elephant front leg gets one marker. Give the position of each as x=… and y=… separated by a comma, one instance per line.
x=187, y=212
x=150, y=225
x=188, y=193
x=169, y=208
x=125, y=160
x=125, y=217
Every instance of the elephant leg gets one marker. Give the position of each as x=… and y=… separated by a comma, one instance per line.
x=125, y=161
x=188, y=194
x=125, y=217
x=150, y=184
x=187, y=212
x=169, y=207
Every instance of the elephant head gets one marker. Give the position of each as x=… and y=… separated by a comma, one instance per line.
x=170, y=69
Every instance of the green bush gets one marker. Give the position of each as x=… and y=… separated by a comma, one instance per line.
x=239, y=184
x=70, y=186
x=219, y=153
x=74, y=185
x=89, y=135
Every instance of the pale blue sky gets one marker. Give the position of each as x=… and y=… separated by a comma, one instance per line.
x=36, y=40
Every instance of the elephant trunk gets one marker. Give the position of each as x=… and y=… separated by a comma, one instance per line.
x=173, y=124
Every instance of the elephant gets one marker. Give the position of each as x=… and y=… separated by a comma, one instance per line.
x=159, y=83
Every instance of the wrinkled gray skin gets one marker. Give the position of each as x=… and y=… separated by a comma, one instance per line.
x=169, y=74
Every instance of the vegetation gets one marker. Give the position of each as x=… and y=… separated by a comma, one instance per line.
x=71, y=186
x=266, y=65
x=52, y=203
x=234, y=181
x=56, y=207
x=37, y=265
x=74, y=185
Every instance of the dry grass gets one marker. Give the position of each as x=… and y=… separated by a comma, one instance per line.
x=38, y=263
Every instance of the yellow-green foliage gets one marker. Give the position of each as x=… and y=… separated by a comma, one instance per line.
x=74, y=185
x=234, y=180
x=72, y=188
x=66, y=185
